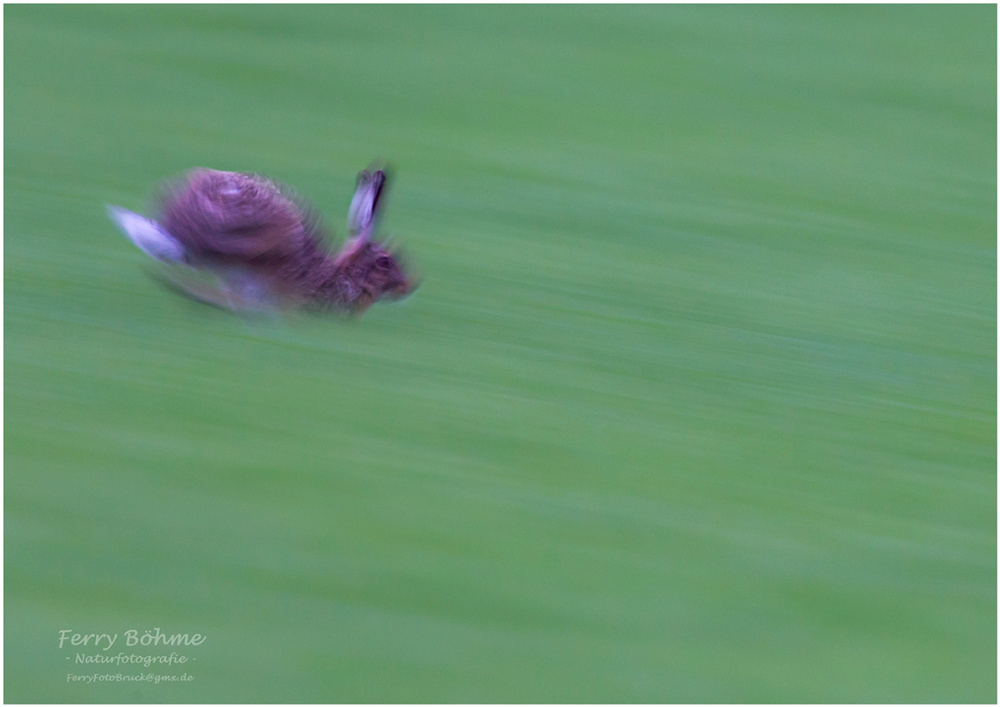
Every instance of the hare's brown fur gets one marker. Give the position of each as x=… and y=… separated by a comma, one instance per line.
x=229, y=221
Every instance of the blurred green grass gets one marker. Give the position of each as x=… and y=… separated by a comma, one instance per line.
x=697, y=401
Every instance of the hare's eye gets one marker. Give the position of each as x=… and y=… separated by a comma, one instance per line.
x=383, y=262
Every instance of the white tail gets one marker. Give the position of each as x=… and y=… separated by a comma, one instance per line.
x=148, y=235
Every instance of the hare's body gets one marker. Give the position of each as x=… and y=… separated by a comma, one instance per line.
x=264, y=246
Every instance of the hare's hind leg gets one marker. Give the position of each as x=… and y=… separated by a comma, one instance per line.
x=148, y=235
x=245, y=291
x=232, y=289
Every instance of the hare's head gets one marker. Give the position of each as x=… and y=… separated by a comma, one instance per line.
x=368, y=273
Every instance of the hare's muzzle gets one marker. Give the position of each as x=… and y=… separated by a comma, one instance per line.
x=403, y=288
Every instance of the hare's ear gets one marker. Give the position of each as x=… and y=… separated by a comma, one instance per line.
x=148, y=235
x=364, y=205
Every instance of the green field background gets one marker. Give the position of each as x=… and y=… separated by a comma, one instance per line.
x=696, y=401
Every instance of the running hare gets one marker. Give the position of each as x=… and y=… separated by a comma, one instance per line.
x=241, y=241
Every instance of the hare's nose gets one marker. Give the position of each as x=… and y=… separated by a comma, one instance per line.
x=407, y=286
